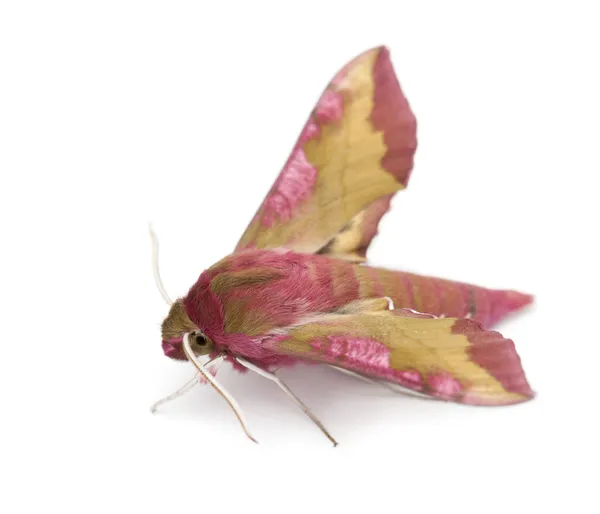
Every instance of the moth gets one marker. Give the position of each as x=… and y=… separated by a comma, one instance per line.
x=298, y=288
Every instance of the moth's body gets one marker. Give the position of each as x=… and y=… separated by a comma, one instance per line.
x=248, y=301
x=250, y=296
x=295, y=288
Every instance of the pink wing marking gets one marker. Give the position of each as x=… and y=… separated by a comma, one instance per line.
x=294, y=184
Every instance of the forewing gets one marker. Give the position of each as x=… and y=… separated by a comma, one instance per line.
x=452, y=359
x=354, y=153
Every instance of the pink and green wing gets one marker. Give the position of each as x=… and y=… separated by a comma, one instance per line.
x=451, y=359
x=354, y=153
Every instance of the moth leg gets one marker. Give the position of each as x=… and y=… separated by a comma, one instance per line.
x=288, y=391
x=353, y=374
x=395, y=388
x=367, y=305
x=180, y=392
x=189, y=353
x=398, y=389
x=215, y=363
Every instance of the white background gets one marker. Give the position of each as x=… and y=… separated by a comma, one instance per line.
x=114, y=113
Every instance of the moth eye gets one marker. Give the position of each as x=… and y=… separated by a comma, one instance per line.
x=201, y=340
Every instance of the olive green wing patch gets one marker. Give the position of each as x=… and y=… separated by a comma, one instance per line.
x=355, y=152
x=452, y=359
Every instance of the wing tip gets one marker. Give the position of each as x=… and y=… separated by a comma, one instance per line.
x=393, y=116
x=482, y=400
x=498, y=356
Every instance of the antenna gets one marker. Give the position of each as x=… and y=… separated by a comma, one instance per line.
x=155, y=269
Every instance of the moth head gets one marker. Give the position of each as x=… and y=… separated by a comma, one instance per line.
x=175, y=326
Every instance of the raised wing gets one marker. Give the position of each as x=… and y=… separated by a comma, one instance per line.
x=451, y=359
x=354, y=153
